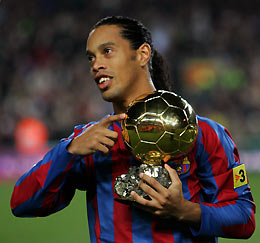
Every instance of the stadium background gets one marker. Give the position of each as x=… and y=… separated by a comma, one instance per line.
x=212, y=50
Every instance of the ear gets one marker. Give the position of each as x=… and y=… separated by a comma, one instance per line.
x=144, y=54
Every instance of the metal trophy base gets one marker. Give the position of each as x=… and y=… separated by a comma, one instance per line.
x=126, y=183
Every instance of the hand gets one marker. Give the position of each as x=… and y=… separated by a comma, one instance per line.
x=96, y=137
x=164, y=202
x=167, y=202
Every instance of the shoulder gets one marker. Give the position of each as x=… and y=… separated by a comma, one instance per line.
x=210, y=130
x=214, y=137
x=211, y=134
x=207, y=124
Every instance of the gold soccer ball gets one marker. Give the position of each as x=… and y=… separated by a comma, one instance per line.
x=160, y=126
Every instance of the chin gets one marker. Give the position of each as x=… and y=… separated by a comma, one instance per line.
x=110, y=96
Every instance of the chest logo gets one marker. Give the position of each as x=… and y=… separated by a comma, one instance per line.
x=183, y=167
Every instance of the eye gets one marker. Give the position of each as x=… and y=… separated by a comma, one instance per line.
x=107, y=50
x=91, y=58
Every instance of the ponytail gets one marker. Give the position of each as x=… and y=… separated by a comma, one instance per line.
x=160, y=73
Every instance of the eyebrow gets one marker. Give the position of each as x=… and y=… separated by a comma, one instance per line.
x=101, y=46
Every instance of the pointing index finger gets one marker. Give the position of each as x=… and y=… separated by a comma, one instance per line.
x=112, y=118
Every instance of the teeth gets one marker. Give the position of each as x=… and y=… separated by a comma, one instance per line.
x=102, y=80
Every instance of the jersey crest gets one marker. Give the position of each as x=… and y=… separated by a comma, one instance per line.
x=183, y=166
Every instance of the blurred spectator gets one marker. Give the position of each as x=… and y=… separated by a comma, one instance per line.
x=212, y=49
x=31, y=136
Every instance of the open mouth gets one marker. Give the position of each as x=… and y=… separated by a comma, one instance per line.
x=103, y=82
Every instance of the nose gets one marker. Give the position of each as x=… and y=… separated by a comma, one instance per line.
x=98, y=65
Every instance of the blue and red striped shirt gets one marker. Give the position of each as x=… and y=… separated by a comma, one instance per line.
x=226, y=210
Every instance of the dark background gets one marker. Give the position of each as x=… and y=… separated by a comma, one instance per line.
x=211, y=47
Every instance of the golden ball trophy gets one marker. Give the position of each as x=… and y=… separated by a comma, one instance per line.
x=159, y=126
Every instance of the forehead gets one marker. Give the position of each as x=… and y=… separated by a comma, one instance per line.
x=104, y=34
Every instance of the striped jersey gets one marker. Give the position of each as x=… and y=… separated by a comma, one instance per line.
x=212, y=175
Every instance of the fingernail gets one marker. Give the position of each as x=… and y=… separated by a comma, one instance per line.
x=123, y=115
x=132, y=193
x=141, y=175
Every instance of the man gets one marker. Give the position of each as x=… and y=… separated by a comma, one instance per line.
x=202, y=204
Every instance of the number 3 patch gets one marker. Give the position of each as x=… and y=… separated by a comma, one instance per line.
x=239, y=176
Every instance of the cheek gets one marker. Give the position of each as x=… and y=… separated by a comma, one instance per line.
x=126, y=75
x=125, y=69
x=121, y=69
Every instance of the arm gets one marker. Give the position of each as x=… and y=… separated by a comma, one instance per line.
x=47, y=187
x=225, y=210
x=50, y=185
x=228, y=207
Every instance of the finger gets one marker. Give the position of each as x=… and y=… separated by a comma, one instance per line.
x=102, y=148
x=148, y=190
x=139, y=199
x=153, y=183
x=110, y=134
x=107, y=142
x=173, y=174
x=113, y=118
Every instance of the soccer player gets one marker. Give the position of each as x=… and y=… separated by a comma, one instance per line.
x=212, y=199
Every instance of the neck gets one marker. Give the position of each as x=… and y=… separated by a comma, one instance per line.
x=121, y=106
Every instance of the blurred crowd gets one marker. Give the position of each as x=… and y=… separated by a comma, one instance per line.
x=211, y=47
